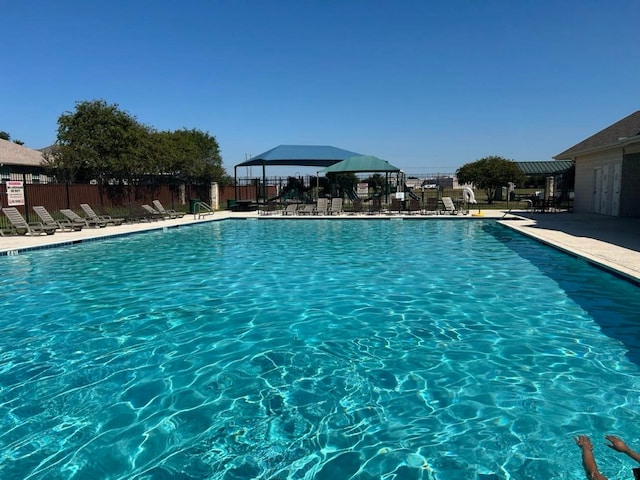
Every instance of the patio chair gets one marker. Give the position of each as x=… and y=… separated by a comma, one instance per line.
x=308, y=209
x=91, y=215
x=62, y=225
x=336, y=206
x=135, y=213
x=171, y=213
x=74, y=217
x=154, y=214
x=271, y=208
x=291, y=209
x=322, y=206
x=448, y=207
x=20, y=226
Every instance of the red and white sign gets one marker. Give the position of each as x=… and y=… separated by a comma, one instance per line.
x=15, y=193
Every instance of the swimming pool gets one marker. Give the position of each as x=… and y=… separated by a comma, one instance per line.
x=320, y=349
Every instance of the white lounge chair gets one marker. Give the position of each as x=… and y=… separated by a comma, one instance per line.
x=448, y=206
x=291, y=209
x=336, y=206
x=322, y=207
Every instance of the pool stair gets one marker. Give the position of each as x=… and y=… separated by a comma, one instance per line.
x=201, y=210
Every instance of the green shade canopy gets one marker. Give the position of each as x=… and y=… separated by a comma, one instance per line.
x=361, y=163
x=553, y=167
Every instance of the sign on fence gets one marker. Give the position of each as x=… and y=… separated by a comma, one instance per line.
x=15, y=193
x=363, y=189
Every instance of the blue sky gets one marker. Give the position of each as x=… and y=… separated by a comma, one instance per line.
x=426, y=85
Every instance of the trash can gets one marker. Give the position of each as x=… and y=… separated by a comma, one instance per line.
x=231, y=203
x=192, y=205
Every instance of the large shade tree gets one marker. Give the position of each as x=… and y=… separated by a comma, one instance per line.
x=101, y=142
x=489, y=174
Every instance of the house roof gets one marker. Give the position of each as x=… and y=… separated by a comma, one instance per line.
x=361, y=163
x=303, y=155
x=551, y=167
x=14, y=154
x=620, y=133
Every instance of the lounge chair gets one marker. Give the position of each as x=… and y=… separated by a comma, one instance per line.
x=448, y=206
x=62, y=225
x=322, y=206
x=171, y=213
x=91, y=215
x=308, y=209
x=336, y=206
x=140, y=213
x=20, y=226
x=74, y=217
x=153, y=213
x=271, y=208
x=291, y=209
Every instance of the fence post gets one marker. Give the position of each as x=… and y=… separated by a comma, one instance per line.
x=215, y=195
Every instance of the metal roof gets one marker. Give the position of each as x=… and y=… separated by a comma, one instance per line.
x=361, y=163
x=303, y=155
x=552, y=167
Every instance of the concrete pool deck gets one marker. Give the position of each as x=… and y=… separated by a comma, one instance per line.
x=610, y=242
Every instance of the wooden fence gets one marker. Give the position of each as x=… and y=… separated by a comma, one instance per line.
x=55, y=197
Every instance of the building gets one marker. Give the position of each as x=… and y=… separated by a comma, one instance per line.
x=21, y=163
x=608, y=170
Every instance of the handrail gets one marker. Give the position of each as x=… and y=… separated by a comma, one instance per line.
x=201, y=209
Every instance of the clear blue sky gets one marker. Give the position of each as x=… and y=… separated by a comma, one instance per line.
x=426, y=85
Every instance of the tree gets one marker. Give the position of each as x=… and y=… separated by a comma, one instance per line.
x=5, y=136
x=189, y=156
x=489, y=174
x=100, y=141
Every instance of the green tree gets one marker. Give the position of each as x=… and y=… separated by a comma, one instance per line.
x=99, y=141
x=189, y=156
x=4, y=135
x=489, y=174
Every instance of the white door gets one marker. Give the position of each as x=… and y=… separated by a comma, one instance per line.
x=615, y=193
x=605, y=196
x=597, y=192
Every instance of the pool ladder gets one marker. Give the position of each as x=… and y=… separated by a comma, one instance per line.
x=201, y=210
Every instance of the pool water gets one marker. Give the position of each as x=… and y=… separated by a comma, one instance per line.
x=325, y=349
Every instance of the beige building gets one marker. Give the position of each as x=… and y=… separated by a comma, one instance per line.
x=21, y=163
x=607, y=164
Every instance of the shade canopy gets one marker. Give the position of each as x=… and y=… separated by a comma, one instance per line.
x=553, y=167
x=361, y=163
x=303, y=155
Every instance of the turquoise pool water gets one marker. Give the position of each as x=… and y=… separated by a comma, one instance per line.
x=317, y=349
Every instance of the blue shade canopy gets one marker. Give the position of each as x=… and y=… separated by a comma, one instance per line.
x=303, y=155
x=361, y=163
